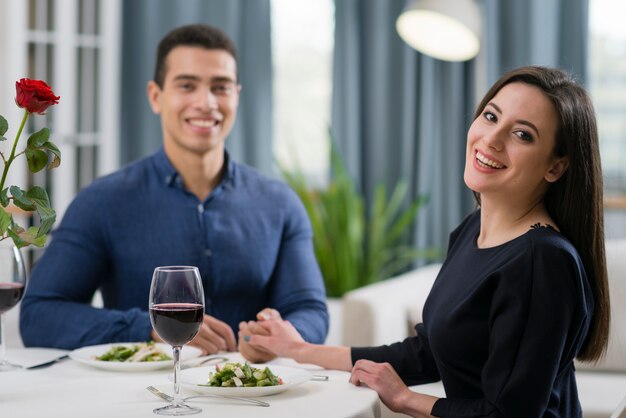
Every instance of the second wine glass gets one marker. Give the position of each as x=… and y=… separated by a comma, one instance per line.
x=176, y=310
x=12, y=286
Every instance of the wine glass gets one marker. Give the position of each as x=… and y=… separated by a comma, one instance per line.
x=12, y=285
x=176, y=310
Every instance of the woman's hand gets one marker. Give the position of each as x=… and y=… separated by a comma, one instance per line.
x=256, y=354
x=278, y=337
x=392, y=391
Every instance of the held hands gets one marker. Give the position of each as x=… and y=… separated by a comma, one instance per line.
x=214, y=336
x=254, y=353
x=275, y=336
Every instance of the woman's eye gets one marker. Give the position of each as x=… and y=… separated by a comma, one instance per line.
x=524, y=136
x=490, y=116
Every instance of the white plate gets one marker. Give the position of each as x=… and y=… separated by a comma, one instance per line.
x=87, y=355
x=192, y=378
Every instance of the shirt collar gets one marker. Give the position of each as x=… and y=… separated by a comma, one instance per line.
x=171, y=177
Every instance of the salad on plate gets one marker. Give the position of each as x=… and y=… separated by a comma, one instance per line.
x=242, y=375
x=140, y=352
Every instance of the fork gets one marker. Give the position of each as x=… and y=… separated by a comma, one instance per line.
x=210, y=360
x=169, y=398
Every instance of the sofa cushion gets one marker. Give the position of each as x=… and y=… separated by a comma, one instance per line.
x=615, y=359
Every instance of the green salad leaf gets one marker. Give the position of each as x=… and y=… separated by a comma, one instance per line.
x=142, y=352
x=242, y=375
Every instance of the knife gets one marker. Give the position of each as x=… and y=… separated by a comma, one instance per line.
x=47, y=363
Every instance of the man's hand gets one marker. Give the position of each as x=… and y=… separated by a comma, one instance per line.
x=247, y=329
x=214, y=336
x=278, y=337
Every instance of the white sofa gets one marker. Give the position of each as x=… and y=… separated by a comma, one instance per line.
x=386, y=312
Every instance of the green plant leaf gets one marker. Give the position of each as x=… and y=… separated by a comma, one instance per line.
x=47, y=215
x=22, y=238
x=405, y=219
x=398, y=196
x=20, y=200
x=5, y=221
x=37, y=139
x=4, y=197
x=56, y=160
x=37, y=159
x=4, y=126
x=355, y=247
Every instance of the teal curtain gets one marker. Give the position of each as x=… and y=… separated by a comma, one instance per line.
x=247, y=22
x=399, y=114
x=540, y=32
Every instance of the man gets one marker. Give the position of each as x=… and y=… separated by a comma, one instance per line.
x=188, y=204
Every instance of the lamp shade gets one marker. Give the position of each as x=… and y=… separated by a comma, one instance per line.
x=445, y=29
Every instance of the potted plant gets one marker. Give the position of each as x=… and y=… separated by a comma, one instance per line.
x=354, y=245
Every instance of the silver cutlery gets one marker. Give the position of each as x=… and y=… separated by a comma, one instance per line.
x=47, y=363
x=169, y=398
x=210, y=360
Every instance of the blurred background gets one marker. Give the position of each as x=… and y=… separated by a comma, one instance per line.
x=310, y=70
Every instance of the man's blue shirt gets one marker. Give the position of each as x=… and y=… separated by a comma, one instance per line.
x=251, y=240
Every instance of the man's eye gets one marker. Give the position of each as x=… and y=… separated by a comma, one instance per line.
x=221, y=89
x=186, y=86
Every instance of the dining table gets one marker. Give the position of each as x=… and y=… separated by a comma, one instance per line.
x=69, y=388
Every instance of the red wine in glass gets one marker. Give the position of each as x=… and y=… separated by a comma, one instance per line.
x=10, y=295
x=12, y=285
x=176, y=307
x=176, y=323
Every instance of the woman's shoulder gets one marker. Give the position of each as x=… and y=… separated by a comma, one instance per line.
x=469, y=225
x=550, y=255
x=544, y=239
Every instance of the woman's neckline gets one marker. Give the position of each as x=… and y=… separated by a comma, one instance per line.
x=538, y=226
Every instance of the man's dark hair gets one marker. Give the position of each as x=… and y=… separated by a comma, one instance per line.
x=199, y=35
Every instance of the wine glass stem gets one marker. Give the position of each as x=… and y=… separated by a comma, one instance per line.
x=3, y=353
x=177, y=398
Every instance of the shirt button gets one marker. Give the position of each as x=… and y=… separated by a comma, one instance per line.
x=208, y=252
x=200, y=208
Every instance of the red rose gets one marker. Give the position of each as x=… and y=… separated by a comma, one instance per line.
x=34, y=95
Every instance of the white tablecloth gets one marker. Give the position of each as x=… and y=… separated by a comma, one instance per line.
x=71, y=389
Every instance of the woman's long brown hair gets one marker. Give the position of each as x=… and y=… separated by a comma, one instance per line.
x=575, y=201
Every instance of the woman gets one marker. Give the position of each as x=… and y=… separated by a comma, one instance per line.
x=523, y=289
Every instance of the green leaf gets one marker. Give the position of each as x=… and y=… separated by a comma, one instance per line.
x=405, y=219
x=37, y=159
x=22, y=238
x=4, y=197
x=355, y=247
x=47, y=215
x=38, y=138
x=17, y=241
x=5, y=221
x=4, y=126
x=56, y=160
x=20, y=200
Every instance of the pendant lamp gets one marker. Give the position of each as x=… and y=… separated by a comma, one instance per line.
x=448, y=30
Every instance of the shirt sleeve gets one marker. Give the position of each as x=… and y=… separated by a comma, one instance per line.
x=56, y=309
x=297, y=289
x=411, y=358
x=535, y=324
